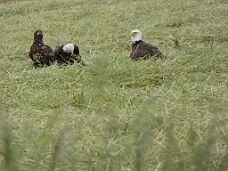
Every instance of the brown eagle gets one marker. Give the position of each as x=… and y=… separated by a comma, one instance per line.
x=141, y=49
x=41, y=54
x=68, y=54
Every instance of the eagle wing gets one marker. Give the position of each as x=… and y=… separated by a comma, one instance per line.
x=76, y=50
x=57, y=51
x=61, y=56
x=41, y=54
x=152, y=50
x=144, y=50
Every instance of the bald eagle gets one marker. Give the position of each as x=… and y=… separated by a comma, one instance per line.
x=68, y=54
x=41, y=54
x=141, y=49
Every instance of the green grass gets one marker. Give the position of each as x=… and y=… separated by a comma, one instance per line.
x=115, y=113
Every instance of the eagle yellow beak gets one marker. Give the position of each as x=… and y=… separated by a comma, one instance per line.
x=132, y=33
x=72, y=52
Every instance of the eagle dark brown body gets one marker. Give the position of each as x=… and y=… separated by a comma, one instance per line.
x=67, y=58
x=41, y=54
x=141, y=49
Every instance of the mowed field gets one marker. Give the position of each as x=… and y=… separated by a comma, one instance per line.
x=115, y=114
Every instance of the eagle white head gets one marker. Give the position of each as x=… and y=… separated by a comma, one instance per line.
x=68, y=48
x=136, y=35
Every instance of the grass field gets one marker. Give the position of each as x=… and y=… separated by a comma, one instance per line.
x=114, y=113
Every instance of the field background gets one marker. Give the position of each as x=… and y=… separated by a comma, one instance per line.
x=114, y=113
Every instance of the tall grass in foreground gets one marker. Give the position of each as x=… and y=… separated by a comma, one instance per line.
x=138, y=151
x=114, y=113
